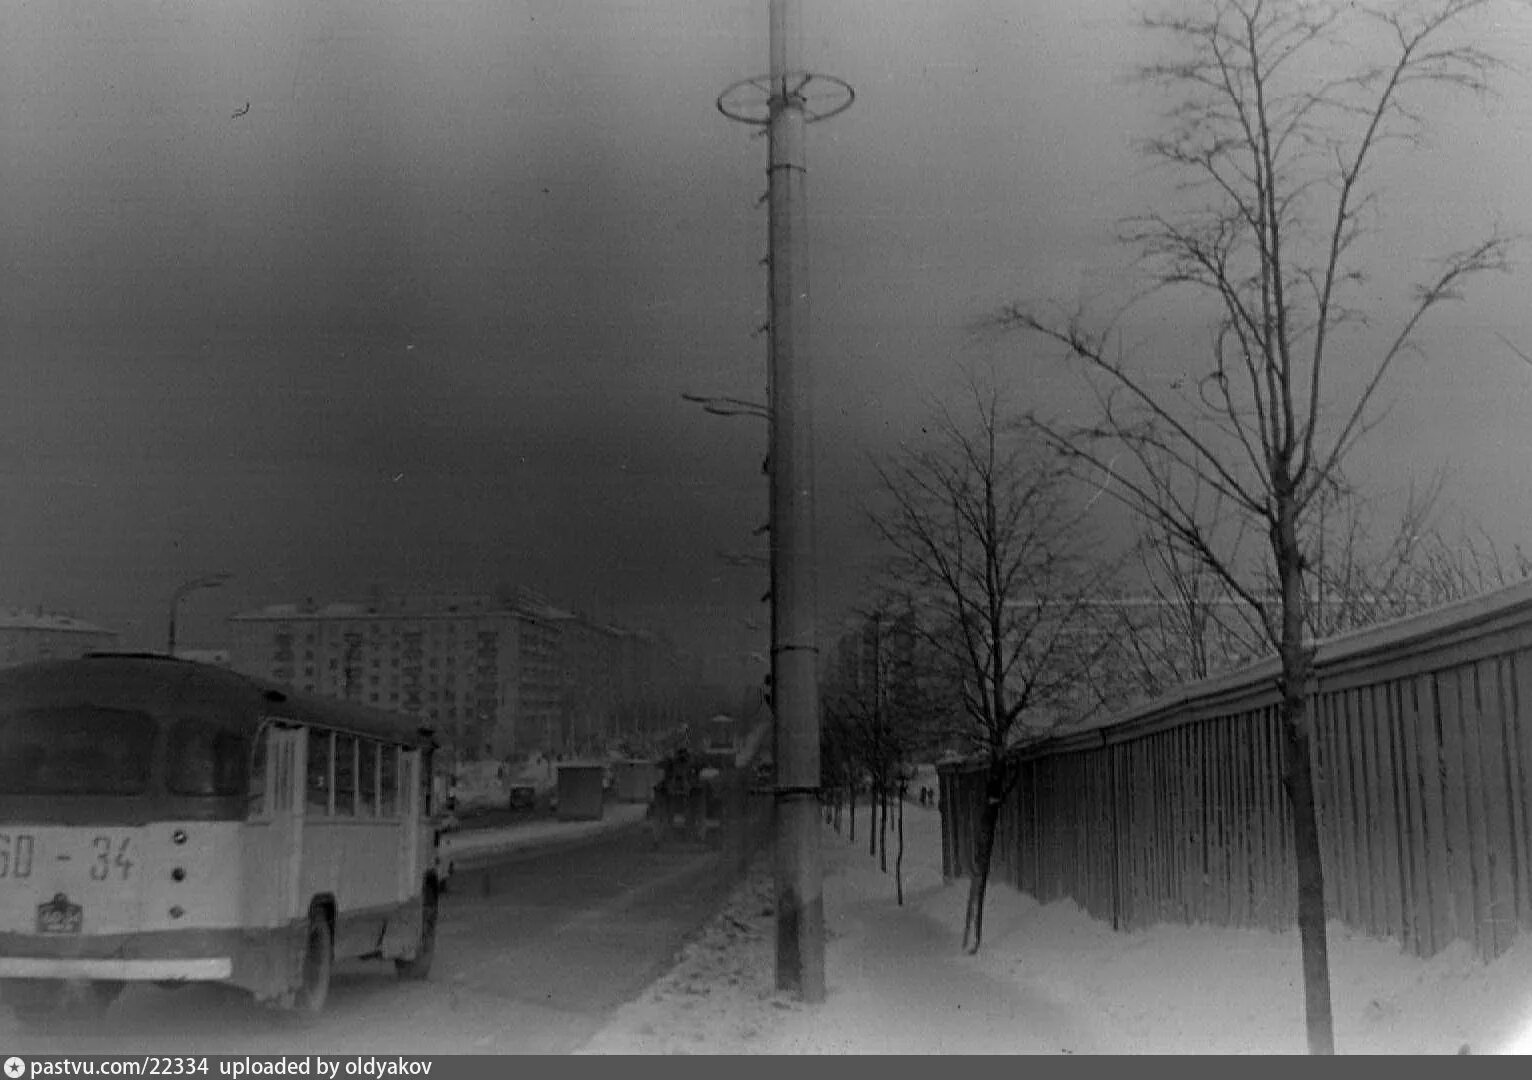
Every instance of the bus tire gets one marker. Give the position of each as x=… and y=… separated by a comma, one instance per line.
x=419, y=965
x=318, y=962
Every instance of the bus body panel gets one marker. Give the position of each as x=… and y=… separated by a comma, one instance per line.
x=351, y=862
x=113, y=880
x=272, y=849
x=111, y=886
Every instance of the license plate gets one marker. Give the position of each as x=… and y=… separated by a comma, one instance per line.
x=59, y=916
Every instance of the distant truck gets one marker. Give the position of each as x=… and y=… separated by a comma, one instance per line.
x=688, y=799
x=475, y=786
x=535, y=778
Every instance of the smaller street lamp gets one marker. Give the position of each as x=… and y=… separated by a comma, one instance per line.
x=211, y=581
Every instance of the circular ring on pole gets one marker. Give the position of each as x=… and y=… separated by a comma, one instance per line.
x=820, y=97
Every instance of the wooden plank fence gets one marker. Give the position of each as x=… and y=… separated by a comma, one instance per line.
x=1175, y=812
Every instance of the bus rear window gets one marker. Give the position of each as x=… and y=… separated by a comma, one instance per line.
x=203, y=760
x=76, y=750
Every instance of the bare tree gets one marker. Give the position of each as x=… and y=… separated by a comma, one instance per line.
x=914, y=690
x=1176, y=623
x=1361, y=579
x=862, y=734
x=879, y=708
x=835, y=758
x=989, y=543
x=1172, y=622
x=1276, y=151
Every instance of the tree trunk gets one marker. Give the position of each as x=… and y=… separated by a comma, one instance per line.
x=1312, y=932
x=1300, y=790
x=989, y=817
x=873, y=796
x=851, y=809
x=899, y=858
x=883, y=832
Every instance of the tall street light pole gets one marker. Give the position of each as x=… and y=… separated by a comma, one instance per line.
x=211, y=581
x=785, y=101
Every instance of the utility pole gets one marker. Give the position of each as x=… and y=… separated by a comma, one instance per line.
x=784, y=102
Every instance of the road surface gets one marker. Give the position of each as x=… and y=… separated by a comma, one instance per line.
x=532, y=957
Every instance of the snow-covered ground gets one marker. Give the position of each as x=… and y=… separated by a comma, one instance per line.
x=1048, y=980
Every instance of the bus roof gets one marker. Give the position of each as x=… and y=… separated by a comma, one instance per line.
x=156, y=682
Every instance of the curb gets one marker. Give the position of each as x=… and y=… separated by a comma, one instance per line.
x=473, y=862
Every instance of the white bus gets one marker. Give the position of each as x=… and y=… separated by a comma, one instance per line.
x=173, y=822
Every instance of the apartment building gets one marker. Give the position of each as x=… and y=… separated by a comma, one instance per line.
x=451, y=661
x=38, y=635
x=495, y=675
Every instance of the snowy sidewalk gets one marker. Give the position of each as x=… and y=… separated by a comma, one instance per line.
x=1048, y=980
x=928, y=997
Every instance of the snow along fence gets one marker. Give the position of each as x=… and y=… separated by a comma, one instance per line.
x=1175, y=811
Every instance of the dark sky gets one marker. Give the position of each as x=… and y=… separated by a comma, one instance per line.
x=423, y=314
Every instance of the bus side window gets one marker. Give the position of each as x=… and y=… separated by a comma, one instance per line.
x=388, y=778
x=367, y=778
x=319, y=773
x=256, y=802
x=345, y=775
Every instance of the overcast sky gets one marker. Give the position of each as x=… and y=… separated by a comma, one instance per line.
x=327, y=295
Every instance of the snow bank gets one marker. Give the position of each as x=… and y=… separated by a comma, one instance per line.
x=484, y=842
x=1048, y=980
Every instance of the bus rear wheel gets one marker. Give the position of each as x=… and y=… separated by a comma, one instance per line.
x=419, y=965
x=318, y=960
